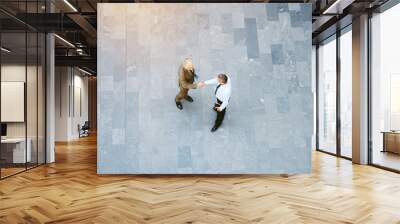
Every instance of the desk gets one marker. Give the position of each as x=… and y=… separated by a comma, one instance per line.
x=16, y=148
x=391, y=141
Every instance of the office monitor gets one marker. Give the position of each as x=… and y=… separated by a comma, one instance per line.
x=3, y=130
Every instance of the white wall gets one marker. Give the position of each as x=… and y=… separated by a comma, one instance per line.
x=62, y=81
x=12, y=73
x=79, y=117
x=70, y=83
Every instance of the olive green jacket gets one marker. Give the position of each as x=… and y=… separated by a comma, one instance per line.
x=186, y=78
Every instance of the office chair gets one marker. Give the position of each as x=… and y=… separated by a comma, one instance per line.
x=84, y=130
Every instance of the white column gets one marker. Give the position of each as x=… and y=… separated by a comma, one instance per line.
x=50, y=92
x=360, y=90
x=50, y=110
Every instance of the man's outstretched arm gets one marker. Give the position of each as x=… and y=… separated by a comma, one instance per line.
x=211, y=81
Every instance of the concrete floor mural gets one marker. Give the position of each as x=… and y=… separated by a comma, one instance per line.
x=264, y=48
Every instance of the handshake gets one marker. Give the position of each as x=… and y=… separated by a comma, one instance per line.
x=200, y=84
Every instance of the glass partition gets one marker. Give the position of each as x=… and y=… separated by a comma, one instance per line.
x=385, y=89
x=32, y=95
x=327, y=95
x=22, y=78
x=41, y=97
x=346, y=93
x=14, y=153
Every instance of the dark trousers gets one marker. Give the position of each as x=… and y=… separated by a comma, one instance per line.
x=220, y=114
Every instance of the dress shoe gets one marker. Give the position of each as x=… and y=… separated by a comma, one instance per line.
x=179, y=105
x=189, y=98
x=213, y=129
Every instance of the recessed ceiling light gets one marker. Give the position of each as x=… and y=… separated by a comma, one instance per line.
x=70, y=5
x=64, y=40
x=337, y=7
x=84, y=71
x=331, y=7
x=5, y=50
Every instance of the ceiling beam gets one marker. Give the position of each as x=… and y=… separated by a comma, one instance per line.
x=82, y=61
x=86, y=26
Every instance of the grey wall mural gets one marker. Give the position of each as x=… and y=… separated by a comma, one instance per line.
x=265, y=49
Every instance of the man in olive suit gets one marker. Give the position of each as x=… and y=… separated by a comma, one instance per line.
x=186, y=81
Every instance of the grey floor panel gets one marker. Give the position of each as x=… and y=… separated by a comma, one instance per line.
x=264, y=48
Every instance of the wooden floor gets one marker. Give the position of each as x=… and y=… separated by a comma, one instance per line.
x=5, y=172
x=387, y=159
x=70, y=191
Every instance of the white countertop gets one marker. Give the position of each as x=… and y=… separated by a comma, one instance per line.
x=13, y=140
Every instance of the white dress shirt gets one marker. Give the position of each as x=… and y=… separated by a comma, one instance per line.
x=224, y=91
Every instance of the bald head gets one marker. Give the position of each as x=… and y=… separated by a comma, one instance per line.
x=188, y=64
